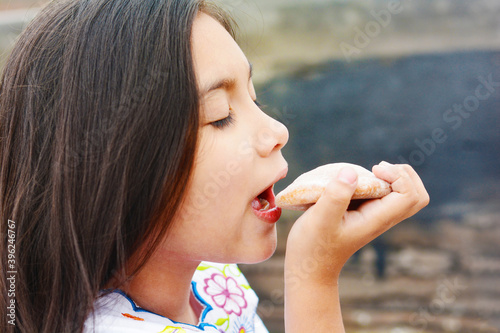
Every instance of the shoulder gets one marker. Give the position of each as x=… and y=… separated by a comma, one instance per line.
x=220, y=291
x=115, y=312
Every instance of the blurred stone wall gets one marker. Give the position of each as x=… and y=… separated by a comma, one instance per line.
x=361, y=81
x=391, y=109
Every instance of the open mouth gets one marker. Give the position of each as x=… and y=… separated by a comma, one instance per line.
x=265, y=200
x=264, y=206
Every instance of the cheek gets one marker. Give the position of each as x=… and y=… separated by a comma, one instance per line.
x=221, y=176
x=221, y=167
x=202, y=217
x=212, y=193
x=222, y=193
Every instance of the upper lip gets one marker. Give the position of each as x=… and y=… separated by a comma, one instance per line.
x=279, y=176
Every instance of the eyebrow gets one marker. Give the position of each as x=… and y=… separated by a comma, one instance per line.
x=225, y=83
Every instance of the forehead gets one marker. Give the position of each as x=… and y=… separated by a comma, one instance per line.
x=215, y=52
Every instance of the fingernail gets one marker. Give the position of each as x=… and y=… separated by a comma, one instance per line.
x=348, y=176
x=384, y=163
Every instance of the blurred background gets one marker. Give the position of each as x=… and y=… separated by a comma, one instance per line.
x=362, y=81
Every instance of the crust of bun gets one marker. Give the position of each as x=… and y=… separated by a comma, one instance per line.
x=304, y=191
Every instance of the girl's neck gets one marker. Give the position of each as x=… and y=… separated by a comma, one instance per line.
x=163, y=286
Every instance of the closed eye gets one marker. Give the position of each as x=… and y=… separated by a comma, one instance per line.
x=222, y=123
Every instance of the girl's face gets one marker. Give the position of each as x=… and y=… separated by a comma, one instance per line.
x=238, y=160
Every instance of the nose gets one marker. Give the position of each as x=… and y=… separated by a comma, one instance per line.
x=271, y=136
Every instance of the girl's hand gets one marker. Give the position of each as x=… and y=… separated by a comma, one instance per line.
x=326, y=235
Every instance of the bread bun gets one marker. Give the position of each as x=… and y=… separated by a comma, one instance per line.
x=308, y=187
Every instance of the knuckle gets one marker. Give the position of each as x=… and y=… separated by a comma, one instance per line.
x=405, y=170
x=418, y=201
x=426, y=199
x=408, y=168
x=413, y=200
x=412, y=208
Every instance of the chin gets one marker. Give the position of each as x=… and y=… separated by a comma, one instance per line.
x=260, y=253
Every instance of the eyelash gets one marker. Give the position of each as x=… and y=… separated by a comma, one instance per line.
x=222, y=123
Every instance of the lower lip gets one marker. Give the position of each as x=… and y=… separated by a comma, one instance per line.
x=270, y=216
x=273, y=214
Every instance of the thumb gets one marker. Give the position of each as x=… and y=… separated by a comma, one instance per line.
x=335, y=199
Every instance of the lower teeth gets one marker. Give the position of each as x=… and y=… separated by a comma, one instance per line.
x=264, y=204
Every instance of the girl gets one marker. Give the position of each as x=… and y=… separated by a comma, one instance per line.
x=135, y=159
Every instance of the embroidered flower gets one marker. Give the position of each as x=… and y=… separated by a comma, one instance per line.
x=226, y=293
x=243, y=324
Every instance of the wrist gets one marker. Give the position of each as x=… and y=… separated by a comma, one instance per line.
x=303, y=270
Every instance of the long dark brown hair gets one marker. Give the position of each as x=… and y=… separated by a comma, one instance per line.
x=98, y=131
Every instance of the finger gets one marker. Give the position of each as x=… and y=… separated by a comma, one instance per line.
x=419, y=185
x=395, y=175
x=334, y=201
x=408, y=196
x=404, y=180
x=374, y=217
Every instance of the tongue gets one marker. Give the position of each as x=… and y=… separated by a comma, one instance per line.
x=260, y=204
